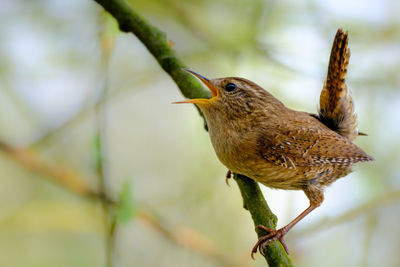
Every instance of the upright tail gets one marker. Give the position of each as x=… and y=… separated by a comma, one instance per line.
x=336, y=104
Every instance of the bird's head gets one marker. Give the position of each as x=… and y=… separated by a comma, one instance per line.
x=233, y=95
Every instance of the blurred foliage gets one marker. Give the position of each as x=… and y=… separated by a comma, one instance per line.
x=55, y=59
x=126, y=205
x=97, y=153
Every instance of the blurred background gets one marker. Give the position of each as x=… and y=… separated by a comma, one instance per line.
x=86, y=109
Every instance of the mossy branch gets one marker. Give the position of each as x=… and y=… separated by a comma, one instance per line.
x=157, y=43
x=254, y=202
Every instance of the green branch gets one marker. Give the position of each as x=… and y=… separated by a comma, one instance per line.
x=254, y=202
x=157, y=43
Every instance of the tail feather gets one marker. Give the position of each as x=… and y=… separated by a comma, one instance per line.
x=336, y=104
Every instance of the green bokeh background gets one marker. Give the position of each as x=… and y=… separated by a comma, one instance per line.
x=55, y=58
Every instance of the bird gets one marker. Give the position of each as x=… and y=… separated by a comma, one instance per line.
x=256, y=135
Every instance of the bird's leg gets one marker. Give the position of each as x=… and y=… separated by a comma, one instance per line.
x=277, y=234
x=228, y=176
x=316, y=198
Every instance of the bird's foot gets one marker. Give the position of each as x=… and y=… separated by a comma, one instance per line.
x=271, y=236
x=228, y=176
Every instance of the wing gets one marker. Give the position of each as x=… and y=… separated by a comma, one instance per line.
x=309, y=147
x=336, y=104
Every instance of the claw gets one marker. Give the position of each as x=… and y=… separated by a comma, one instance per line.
x=228, y=176
x=271, y=236
x=284, y=244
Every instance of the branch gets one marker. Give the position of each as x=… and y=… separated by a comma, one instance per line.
x=254, y=202
x=157, y=44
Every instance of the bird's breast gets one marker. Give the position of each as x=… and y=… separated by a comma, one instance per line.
x=236, y=149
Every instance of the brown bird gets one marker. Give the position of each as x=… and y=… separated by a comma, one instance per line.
x=256, y=135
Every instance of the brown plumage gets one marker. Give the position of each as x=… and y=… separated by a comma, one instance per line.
x=256, y=135
x=336, y=104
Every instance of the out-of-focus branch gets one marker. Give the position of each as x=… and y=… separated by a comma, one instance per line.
x=75, y=183
x=81, y=114
x=100, y=148
x=187, y=237
x=370, y=227
x=349, y=215
x=58, y=174
x=157, y=44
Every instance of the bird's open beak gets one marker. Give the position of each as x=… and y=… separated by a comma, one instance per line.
x=214, y=91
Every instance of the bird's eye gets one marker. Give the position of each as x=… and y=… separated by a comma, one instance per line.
x=230, y=87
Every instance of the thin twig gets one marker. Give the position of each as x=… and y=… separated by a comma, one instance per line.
x=100, y=142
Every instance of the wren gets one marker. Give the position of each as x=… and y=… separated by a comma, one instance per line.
x=256, y=135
